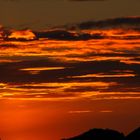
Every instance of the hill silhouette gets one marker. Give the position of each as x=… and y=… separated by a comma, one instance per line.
x=106, y=134
x=135, y=135
x=99, y=134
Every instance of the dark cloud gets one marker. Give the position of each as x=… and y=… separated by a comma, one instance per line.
x=73, y=72
x=123, y=22
x=116, y=54
x=66, y=35
x=54, y=34
x=11, y=72
x=132, y=23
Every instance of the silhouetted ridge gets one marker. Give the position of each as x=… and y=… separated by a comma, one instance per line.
x=99, y=134
x=135, y=135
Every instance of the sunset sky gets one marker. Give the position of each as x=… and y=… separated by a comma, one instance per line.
x=43, y=13
x=67, y=66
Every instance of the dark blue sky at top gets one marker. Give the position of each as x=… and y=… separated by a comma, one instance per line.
x=44, y=13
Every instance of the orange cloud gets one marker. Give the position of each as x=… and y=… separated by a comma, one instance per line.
x=23, y=34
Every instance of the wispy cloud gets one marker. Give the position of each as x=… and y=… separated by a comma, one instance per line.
x=67, y=64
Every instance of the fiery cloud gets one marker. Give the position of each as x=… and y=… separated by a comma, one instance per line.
x=22, y=35
x=68, y=64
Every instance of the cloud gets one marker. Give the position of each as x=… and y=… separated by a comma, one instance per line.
x=79, y=111
x=75, y=31
x=70, y=82
x=11, y=72
x=122, y=22
x=29, y=35
x=104, y=68
x=67, y=35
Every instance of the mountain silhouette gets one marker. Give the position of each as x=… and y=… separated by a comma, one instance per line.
x=106, y=134
x=99, y=134
x=135, y=135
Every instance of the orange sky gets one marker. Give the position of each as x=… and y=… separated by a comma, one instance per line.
x=60, y=82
